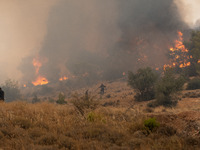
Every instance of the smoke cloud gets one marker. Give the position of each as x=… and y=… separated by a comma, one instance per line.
x=107, y=38
x=189, y=11
x=89, y=39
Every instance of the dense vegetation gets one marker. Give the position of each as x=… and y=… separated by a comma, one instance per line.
x=193, y=46
x=143, y=82
x=166, y=89
x=194, y=84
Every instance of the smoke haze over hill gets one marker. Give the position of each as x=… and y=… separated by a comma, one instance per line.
x=95, y=38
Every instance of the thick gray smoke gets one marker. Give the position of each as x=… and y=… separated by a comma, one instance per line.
x=101, y=39
x=149, y=28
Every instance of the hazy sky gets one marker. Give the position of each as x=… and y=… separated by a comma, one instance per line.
x=190, y=10
x=23, y=28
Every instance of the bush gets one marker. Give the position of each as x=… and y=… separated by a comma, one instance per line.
x=84, y=103
x=35, y=99
x=93, y=117
x=61, y=99
x=193, y=84
x=143, y=82
x=12, y=91
x=151, y=124
x=167, y=88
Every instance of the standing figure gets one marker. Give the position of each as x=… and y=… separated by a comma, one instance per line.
x=1, y=95
x=102, y=88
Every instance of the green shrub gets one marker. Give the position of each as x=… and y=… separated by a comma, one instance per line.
x=151, y=124
x=61, y=99
x=92, y=117
x=167, y=88
x=143, y=82
x=193, y=84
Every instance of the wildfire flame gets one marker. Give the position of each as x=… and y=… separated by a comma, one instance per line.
x=37, y=65
x=40, y=79
x=63, y=78
x=179, y=54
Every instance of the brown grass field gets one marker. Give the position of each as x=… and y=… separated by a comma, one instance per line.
x=116, y=124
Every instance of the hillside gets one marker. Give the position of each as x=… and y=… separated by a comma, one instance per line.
x=116, y=123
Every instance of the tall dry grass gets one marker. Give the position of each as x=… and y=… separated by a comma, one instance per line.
x=47, y=126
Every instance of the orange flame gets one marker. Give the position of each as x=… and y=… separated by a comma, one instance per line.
x=179, y=53
x=37, y=65
x=40, y=81
x=63, y=78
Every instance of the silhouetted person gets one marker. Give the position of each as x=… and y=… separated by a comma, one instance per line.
x=102, y=88
x=1, y=95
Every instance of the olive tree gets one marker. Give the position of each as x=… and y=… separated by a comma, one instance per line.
x=143, y=82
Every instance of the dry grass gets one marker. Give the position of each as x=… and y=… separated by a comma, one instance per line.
x=51, y=126
x=48, y=126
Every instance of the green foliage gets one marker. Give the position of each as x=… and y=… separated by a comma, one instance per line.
x=167, y=87
x=11, y=90
x=194, y=84
x=61, y=99
x=194, y=50
x=92, y=117
x=143, y=82
x=151, y=124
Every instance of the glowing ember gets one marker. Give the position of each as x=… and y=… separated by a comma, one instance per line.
x=63, y=78
x=178, y=54
x=40, y=81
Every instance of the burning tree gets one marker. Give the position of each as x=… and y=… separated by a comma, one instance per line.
x=179, y=55
x=185, y=56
